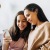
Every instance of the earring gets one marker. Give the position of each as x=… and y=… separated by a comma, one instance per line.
x=33, y=27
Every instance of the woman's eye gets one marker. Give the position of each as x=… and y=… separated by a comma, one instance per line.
x=18, y=21
x=28, y=15
x=24, y=21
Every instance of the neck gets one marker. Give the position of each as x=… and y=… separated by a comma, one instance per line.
x=20, y=31
x=39, y=23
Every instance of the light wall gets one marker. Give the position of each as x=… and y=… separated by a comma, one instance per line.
x=9, y=8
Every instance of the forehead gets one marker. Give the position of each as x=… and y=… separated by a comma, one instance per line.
x=20, y=17
x=27, y=11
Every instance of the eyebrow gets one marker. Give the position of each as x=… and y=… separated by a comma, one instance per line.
x=25, y=18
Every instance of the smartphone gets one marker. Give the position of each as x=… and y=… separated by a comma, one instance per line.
x=7, y=34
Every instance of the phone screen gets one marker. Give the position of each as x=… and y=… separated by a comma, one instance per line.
x=7, y=34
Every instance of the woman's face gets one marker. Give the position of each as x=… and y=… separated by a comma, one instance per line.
x=21, y=22
x=31, y=16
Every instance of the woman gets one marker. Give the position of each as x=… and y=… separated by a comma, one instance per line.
x=40, y=36
x=19, y=33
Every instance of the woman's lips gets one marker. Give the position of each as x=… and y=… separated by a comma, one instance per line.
x=21, y=26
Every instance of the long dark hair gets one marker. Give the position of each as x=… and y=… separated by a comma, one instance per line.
x=32, y=7
x=15, y=31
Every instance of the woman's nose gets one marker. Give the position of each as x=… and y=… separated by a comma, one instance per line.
x=28, y=19
x=21, y=23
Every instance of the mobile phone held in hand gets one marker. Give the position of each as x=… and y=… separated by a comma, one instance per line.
x=7, y=34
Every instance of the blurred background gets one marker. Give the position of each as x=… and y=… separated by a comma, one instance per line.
x=9, y=8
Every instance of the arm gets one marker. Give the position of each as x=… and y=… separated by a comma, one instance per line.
x=47, y=30
x=5, y=44
x=46, y=46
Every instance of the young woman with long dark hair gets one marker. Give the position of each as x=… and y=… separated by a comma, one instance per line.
x=39, y=37
x=19, y=33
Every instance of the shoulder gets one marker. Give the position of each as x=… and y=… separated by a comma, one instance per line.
x=47, y=29
x=47, y=25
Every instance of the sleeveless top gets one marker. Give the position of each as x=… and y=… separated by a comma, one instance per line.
x=17, y=45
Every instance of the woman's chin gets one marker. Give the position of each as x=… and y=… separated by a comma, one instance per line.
x=21, y=29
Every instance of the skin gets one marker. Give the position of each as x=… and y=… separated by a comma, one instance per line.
x=21, y=22
x=32, y=17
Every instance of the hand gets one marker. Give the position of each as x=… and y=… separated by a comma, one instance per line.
x=6, y=38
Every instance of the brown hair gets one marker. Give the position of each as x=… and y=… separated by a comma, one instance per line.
x=15, y=31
